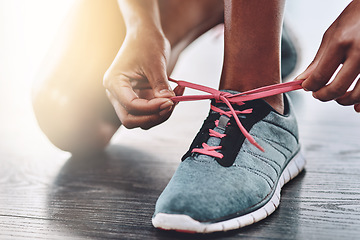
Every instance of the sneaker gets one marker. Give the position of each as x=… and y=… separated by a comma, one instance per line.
x=225, y=181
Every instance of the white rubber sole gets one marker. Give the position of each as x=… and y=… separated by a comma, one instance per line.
x=184, y=223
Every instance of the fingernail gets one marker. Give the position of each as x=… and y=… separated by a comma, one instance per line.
x=314, y=95
x=166, y=105
x=165, y=111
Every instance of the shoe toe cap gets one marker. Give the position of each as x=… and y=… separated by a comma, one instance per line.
x=205, y=199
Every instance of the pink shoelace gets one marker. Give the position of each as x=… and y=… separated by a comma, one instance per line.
x=230, y=99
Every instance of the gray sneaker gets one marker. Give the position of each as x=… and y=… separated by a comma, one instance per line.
x=224, y=182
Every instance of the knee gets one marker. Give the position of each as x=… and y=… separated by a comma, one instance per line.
x=69, y=122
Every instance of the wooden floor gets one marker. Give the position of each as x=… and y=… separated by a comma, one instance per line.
x=47, y=194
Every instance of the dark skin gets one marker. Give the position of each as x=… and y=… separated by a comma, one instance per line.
x=138, y=87
x=340, y=45
x=256, y=46
x=252, y=40
x=142, y=42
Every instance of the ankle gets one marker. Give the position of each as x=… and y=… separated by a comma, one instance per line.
x=276, y=102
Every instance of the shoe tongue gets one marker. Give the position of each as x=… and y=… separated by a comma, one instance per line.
x=254, y=104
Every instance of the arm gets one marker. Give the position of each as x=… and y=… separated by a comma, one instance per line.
x=340, y=45
x=136, y=82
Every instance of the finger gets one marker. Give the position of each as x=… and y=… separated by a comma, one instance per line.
x=352, y=97
x=179, y=90
x=125, y=95
x=341, y=82
x=326, y=67
x=144, y=121
x=357, y=108
x=304, y=75
x=158, y=80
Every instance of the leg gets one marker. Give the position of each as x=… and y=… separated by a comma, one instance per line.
x=68, y=98
x=252, y=46
x=225, y=181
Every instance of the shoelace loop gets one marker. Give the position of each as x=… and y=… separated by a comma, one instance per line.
x=229, y=99
x=219, y=95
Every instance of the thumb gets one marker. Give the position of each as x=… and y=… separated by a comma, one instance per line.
x=179, y=90
x=305, y=74
x=159, y=82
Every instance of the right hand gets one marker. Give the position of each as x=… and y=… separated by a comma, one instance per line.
x=136, y=82
x=340, y=45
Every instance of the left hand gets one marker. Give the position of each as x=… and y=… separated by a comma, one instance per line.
x=340, y=45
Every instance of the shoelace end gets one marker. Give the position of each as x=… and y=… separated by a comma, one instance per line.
x=258, y=146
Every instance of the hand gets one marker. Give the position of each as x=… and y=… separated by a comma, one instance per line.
x=136, y=82
x=340, y=45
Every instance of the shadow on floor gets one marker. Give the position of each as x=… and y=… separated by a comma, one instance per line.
x=113, y=194
x=109, y=194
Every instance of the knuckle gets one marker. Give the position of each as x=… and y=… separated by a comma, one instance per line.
x=338, y=39
x=342, y=44
x=318, y=77
x=335, y=91
x=342, y=40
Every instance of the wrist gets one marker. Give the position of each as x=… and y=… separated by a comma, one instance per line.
x=150, y=36
x=145, y=30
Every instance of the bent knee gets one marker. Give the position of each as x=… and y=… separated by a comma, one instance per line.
x=69, y=122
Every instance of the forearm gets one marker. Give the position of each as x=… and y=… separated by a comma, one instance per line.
x=141, y=14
